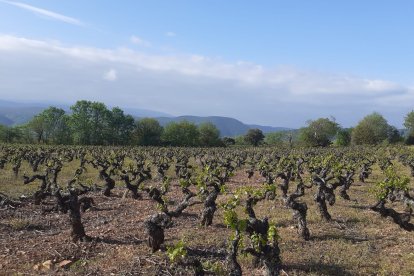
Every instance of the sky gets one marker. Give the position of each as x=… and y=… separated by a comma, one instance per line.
x=278, y=63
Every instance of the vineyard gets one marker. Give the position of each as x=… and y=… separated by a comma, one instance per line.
x=197, y=211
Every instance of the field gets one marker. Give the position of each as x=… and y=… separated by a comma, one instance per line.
x=37, y=237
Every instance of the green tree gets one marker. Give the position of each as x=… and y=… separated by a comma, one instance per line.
x=50, y=126
x=343, y=137
x=181, y=134
x=38, y=125
x=62, y=134
x=228, y=141
x=254, y=136
x=3, y=134
x=10, y=134
x=55, y=123
x=320, y=132
x=209, y=135
x=120, y=127
x=276, y=138
x=371, y=130
x=394, y=135
x=409, y=122
x=80, y=122
x=409, y=140
x=22, y=134
x=147, y=132
x=409, y=125
x=90, y=123
x=240, y=141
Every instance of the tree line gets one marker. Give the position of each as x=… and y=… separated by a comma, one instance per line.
x=373, y=129
x=92, y=123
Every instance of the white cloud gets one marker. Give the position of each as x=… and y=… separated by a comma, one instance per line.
x=192, y=84
x=46, y=13
x=381, y=85
x=110, y=75
x=170, y=34
x=139, y=41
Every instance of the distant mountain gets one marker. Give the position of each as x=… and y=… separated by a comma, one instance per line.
x=5, y=121
x=18, y=113
x=139, y=112
x=227, y=126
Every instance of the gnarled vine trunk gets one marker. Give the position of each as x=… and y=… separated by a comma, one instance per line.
x=154, y=227
x=210, y=207
x=78, y=231
x=234, y=267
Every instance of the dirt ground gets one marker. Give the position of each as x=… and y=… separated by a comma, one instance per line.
x=357, y=242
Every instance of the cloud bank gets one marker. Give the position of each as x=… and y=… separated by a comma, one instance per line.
x=36, y=70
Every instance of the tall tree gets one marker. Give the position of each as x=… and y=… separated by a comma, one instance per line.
x=254, y=136
x=276, y=138
x=409, y=124
x=394, y=135
x=10, y=134
x=56, y=126
x=371, y=130
x=228, y=141
x=120, y=127
x=90, y=122
x=80, y=122
x=147, y=132
x=51, y=126
x=38, y=125
x=320, y=132
x=183, y=133
x=209, y=135
x=343, y=137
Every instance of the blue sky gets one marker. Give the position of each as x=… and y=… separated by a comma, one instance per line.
x=271, y=62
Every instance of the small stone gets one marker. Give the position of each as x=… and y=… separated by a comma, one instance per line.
x=47, y=265
x=65, y=264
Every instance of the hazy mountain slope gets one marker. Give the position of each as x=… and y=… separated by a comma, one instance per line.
x=5, y=121
x=227, y=126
